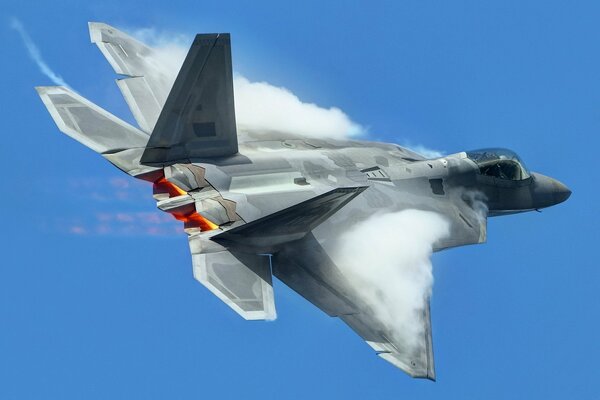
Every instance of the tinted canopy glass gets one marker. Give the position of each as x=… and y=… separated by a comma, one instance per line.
x=499, y=163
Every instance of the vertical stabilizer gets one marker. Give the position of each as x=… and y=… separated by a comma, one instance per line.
x=198, y=119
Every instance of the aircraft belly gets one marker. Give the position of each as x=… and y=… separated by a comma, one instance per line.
x=311, y=211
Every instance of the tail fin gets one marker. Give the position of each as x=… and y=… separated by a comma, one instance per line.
x=116, y=140
x=198, y=119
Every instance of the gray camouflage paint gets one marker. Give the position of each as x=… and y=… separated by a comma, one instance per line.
x=287, y=197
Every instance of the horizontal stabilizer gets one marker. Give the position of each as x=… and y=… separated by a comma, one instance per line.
x=242, y=281
x=94, y=127
x=149, y=78
x=198, y=119
x=289, y=224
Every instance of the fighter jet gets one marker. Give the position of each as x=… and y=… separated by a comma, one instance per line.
x=244, y=194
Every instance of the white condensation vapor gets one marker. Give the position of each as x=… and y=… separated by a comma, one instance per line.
x=425, y=151
x=169, y=48
x=392, y=273
x=34, y=53
x=478, y=202
x=259, y=106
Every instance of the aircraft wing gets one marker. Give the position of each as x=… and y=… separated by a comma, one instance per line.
x=303, y=261
x=306, y=268
x=417, y=363
x=232, y=265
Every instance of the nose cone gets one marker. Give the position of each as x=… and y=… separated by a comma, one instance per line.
x=547, y=191
x=561, y=191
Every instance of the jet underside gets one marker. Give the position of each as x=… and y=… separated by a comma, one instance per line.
x=261, y=204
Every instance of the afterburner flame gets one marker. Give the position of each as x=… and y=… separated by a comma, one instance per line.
x=162, y=185
x=186, y=214
x=191, y=219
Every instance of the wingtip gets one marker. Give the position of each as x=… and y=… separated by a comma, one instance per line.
x=98, y=31
x=429, y=376
x=95, y=29
x=42, y=90
x=258, y=316
x=47, y=89
x=93, y=25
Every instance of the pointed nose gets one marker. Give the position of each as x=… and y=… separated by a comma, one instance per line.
x=561, y=191
x=548, y=191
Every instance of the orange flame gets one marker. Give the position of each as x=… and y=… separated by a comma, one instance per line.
x=191, y=219
x=162, y=185
x=187, y=214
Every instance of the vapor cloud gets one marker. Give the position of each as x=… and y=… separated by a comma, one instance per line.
x=34, y=53
x=387, y=260
x=478, y=202
x=259, y=106
x=170, y=48
x=424, y=151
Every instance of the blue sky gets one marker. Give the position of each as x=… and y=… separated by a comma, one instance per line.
x=117, y=314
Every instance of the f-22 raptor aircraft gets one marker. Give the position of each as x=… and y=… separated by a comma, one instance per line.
x=244, y=194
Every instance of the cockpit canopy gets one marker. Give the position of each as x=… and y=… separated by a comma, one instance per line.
x=499, y=163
